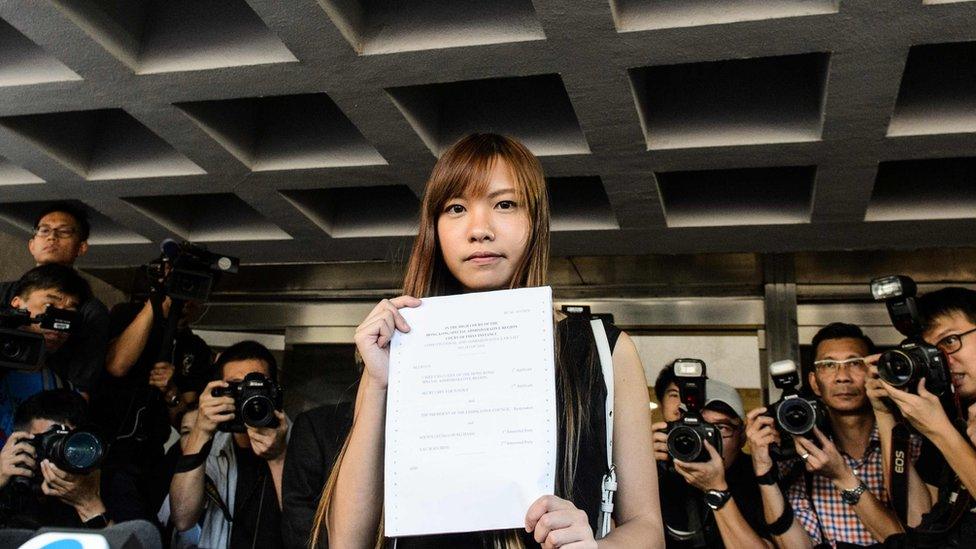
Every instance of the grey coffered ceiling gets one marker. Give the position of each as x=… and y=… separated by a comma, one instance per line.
x=303, y=131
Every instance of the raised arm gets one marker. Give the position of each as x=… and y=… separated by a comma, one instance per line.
x=356, y=502
x=761, y=432
x=124, y=351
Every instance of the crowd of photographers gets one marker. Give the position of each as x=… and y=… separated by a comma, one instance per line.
x=862, y=448
x=90, y=401
x=875, y=449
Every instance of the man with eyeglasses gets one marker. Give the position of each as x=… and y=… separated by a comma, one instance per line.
x=60, y=237
x=836, y=486
x=947, y=467
x=714, y=504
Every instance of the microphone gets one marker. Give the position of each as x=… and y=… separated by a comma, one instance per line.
x=170, y=248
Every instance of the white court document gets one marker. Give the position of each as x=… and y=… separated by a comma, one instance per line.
x=470, y=413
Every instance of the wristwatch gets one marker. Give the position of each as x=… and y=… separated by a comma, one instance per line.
x=852, y=496
x=716, y=499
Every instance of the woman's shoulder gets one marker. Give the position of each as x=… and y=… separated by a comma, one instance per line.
x=576, y=326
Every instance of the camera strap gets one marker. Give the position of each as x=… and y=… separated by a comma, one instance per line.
x=609, y=484
x=189, y=462
x=900, y=441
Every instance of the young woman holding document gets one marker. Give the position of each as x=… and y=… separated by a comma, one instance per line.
x=484, y=225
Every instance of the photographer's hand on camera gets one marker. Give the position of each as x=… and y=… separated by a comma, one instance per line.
x=270, y=443
x=761, y=432
x=924, y=410
x=373, y=337
x=706, y=475
x=79, y=491
x=874, y=388
x=16, y=458
x=825, y=460
x=213, y=410
x=660, y=441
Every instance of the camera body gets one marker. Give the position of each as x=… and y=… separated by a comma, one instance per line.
x=914, y=359
x=76, y=451
x=255, y=400
x=687, y=436
x=188, y=272
x=23, y=350
x=794, y=415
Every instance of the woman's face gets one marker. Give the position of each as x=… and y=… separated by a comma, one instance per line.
x=483, y=238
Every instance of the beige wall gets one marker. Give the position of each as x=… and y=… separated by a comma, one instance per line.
x=15, y=260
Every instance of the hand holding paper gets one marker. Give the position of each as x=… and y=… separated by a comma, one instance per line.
x=471, y=413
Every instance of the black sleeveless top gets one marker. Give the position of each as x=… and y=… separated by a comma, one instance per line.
x=576, y=339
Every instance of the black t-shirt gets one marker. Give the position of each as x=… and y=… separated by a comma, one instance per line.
x=681, y=503
x=120, y=398
x=257, y=517
x=81, y=359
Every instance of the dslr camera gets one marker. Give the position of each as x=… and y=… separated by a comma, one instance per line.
x=23, y=350
x=914, y=359
x=76, y=451
x=186, y=271
x=794, y=415
x=255, y=400
x=687, y=436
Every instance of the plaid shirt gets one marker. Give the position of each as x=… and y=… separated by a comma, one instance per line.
x=839, y=520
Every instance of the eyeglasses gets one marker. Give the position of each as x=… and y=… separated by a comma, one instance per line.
x=952, y=343
x=727, y=429
x=829, y=366
x=60, y=234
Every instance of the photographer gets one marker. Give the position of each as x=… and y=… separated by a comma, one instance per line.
x=42, y=287
x=61, y=498
x=60, y=237
x=246, y=467
x=715, y=503
x=836, y=485
x=140, y=397
x=666, y=391
x=948, y=319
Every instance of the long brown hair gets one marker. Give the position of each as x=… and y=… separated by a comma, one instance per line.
x=466, y=168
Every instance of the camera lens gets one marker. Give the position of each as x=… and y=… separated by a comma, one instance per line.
x=896, y=368
x=684, y=443
x=796, y=416
x=12, y=350
x=82, y=451
x=258, y=411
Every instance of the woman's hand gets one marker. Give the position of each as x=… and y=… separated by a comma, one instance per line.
x=374, y=334
x=556, y=522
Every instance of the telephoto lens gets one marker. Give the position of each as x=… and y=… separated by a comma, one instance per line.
x=75, y=451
